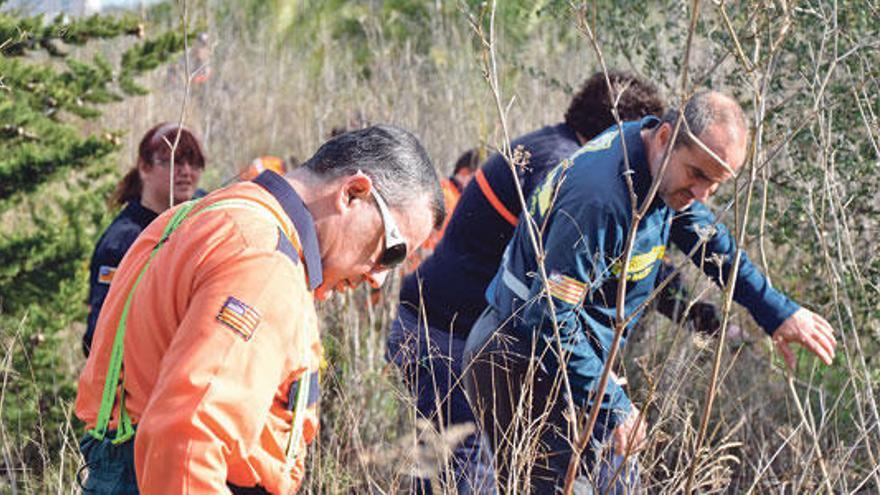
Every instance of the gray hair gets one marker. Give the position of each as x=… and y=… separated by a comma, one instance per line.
x=391, y=157
x=704, y=109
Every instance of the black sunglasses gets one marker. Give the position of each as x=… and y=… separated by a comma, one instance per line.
x=395, y=245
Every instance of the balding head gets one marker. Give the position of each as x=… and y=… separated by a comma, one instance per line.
x=709, y=148
x=715, y=123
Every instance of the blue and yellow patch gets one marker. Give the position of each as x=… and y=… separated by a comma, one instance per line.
x=600, y=143
x=240, y=317
x=640, y=265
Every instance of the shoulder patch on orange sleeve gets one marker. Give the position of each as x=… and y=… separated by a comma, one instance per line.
x=240, y=317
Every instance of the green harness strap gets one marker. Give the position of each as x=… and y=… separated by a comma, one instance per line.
x=112, y=385
x=125, y=430
x=300, y=403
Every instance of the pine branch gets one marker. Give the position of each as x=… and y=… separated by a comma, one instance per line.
x=35, y=264
x=146, y=56
x=27, y=166
x=23, y=35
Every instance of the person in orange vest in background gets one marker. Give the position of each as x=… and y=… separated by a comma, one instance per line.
x=145, y=191
x=194, y=66
x=201, y=59
x=203, y=371
x=261, y=164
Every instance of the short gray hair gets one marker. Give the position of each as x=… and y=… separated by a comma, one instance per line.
x=702, y=110
x=391, y=157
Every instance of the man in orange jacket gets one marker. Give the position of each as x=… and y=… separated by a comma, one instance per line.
x=203, y=371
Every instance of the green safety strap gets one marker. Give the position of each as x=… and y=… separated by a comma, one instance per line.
x=125, y=430
x=112, y=386
x=300, y=404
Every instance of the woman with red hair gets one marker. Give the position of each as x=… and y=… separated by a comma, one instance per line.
x=145, y=191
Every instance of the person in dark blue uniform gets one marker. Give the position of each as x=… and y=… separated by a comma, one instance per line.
x=145, y=192
x=447, y=290
x=584, y=207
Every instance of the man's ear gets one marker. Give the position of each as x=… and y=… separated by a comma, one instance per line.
x=355, y=187
x=663, y=135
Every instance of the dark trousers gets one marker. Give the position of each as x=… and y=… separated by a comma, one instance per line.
x=430, y=361
x=111, y=468
x=522, y=410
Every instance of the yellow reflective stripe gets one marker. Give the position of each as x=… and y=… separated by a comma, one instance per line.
x=125, y=429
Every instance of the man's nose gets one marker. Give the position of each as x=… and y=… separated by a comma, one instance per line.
x=376, y=279
x=701, y=192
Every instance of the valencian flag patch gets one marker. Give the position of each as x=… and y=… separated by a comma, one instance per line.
x=566, y=289
x=240, y=317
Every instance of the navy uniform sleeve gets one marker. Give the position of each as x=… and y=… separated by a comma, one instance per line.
x=672, y=302
x=575, y=242
x=108, y=254
x=767, y=306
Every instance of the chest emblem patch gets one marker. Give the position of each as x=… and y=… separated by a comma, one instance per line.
x=640, y=265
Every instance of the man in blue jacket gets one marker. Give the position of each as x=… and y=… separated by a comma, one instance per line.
x=585, y=212
x=441, y=301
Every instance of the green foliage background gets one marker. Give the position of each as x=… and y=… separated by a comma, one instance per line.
x=54, y=179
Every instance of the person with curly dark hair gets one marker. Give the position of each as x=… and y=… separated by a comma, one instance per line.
x=637, y=97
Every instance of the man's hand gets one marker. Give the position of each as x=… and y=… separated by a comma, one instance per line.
x=809, y=330
x=736, y=335
x=630, y=435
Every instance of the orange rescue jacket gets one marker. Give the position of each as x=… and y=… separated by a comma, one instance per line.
x=221, y=328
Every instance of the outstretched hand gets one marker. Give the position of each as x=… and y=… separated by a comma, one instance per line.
x=630, y=435
x=810, y=331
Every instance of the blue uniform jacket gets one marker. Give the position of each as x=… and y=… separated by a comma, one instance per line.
x=111, y=247
x=585, y=226
x=452, y=282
